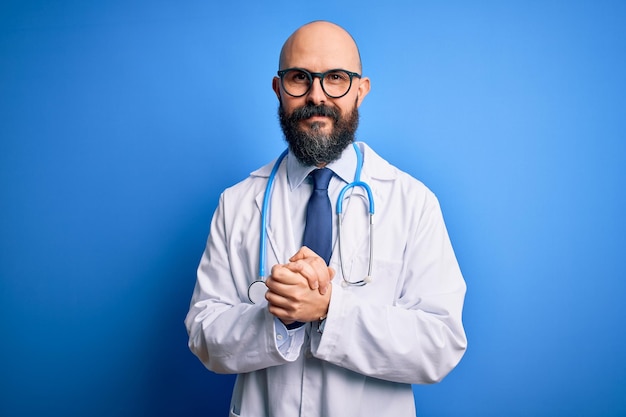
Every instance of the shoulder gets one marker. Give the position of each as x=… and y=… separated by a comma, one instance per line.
x=379, y=170
x=398, y=192
x=253, y=184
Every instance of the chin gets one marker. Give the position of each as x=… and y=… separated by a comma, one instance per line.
x=319, y=127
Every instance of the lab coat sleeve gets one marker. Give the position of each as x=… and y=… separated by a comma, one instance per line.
x=419, y=338
x=227, y=332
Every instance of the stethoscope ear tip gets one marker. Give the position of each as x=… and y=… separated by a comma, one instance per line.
x=367, y=279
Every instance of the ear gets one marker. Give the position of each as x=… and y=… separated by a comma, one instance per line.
x=364, y=88
x=276, y=87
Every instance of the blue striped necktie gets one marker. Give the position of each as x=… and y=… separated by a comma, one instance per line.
x=318, y=229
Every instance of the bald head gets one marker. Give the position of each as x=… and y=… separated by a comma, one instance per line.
x=320, y=46
x=319, y=126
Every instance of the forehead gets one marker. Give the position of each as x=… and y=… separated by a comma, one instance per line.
x=319, y=48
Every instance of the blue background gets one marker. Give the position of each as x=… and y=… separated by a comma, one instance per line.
x=122, y=121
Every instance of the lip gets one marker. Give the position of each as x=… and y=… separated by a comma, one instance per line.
x=318, y=123
x=317, y=118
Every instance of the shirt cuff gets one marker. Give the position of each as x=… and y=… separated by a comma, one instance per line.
x=288, y=342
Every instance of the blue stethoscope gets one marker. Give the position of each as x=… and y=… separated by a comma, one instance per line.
x=257, y=289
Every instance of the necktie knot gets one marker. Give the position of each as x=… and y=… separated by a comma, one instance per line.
x=321, y=178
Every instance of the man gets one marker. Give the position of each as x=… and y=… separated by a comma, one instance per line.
x=325, y=341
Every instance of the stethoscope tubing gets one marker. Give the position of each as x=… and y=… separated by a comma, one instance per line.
x=265, y=208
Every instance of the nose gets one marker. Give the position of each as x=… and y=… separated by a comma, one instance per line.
x=316, y=93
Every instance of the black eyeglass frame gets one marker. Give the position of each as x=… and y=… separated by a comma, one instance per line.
x=320, y=75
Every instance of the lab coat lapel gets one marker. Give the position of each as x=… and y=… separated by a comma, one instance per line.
x=280, y=241
x=356, y=228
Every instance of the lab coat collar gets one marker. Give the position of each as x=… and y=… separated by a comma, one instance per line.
x=375, y=167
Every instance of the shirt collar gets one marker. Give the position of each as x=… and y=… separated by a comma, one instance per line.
x=344, y=168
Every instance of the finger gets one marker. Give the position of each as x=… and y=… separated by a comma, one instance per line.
x=276, y=299
x=275, y=287
x=282, y=307
x=277, y=270
x=277, y=308
x=315, y=271
x=307, y=270
x=281, y=273
x=303, y=304
x=282, y=314
x=303, y=253
x=325, y=284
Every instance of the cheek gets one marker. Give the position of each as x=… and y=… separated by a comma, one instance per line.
x=289, y=103
x=348, y=103
x=347, y=109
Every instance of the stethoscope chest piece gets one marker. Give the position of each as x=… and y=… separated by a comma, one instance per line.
x=256, y=292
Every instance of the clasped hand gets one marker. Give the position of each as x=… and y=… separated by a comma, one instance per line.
x=300, y=290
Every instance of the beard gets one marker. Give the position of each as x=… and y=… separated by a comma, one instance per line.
x=314, y=148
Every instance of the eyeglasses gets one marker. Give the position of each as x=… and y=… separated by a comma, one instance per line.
x=335, y=83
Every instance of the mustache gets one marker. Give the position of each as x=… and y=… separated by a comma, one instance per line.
x=310, y=110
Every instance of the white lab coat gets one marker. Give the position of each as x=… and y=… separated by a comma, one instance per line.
x=403, y=328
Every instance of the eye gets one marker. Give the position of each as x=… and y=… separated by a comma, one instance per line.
x=337, y=77
x=297, y=76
